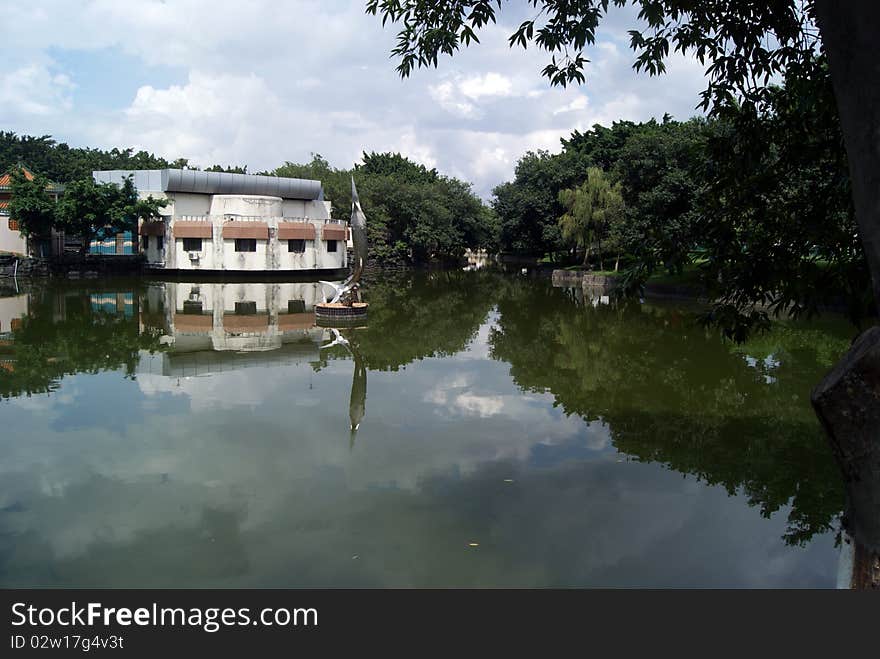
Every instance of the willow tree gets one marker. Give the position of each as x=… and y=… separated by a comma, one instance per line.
x=592, y=211
x=746, y=45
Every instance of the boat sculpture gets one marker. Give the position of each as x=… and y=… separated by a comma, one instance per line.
x=346, y=304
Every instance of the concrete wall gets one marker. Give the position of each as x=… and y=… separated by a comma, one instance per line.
x=12, y=308
x=312, y=210
x=219, y=253
x=209, y=258
x=187, y=203
x=153, y=253
x=258, y=260
x=293, y=261
x=11, y=241
x=246, y=205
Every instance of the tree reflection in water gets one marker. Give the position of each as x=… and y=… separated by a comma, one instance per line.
x=668, y=390
x=672, y=392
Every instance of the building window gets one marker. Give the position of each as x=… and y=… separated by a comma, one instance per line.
x=160, y=240
x=296, y=306
x=146, y=242
x=13, y=224
x=331, y=245
x=297, y=246
x=245, y=244
x=192, y=244
x=192, y=307
x=245, y=308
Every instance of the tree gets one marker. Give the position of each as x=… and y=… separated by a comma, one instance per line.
x=89, y=209
x=591, y=210
x=745, y=45
x=31, y=204
x=228, y=169
x=776, y=212
x=63, y=163
x=528, y=207
x=659, y=166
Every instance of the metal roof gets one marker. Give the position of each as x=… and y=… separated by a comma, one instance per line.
x=192, y=180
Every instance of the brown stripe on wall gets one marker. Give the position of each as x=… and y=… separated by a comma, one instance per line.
x=333, y=232
x=296, y=231
x=193, y=323
x=153, y=229
x=254, y=230
x=188, y=229
x=295, y=321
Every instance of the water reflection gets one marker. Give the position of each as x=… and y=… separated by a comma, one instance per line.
x=192, y=435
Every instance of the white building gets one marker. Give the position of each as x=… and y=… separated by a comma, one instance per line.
x=237, y=222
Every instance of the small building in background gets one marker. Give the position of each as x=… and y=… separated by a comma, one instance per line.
x=221, y=222
x=11, y=239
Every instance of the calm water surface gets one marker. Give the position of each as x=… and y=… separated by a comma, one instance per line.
x=508, y=434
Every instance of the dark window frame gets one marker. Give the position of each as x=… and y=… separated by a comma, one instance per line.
x=294, y=243
x=189, y=242
x=332, y=246
x=246, y=308
x=244, y=245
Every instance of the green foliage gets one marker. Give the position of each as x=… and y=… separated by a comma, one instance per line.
x=419, y=315
x=658, y=166
x=336, y=182
x=88, y=208
x=62, y=163
x=592, y=211
x=414, y=213
x=670, y=391
x=228, y=169
x=85, y=339
x=528, y=207
x=31, y=204
x=762, y=194
x=744, y=44
x=757, y=199
x=777, y=221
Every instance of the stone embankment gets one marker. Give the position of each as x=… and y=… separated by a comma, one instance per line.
x=71, y=266
x=606, y=283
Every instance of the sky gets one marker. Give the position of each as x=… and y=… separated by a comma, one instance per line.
x=264, y=82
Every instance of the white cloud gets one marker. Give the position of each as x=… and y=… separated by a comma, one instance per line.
x=34, y=89
x=264, y=82
x=490, y=84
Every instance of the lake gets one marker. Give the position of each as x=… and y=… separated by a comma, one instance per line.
x=508, y=434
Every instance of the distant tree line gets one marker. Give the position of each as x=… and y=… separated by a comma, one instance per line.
x=415, y=214
x=62, y=163
x=753, y=203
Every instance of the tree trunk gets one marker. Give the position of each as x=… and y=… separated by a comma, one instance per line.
x=847, y=401
x=617, y=262
x=587, y=256
x=849, y=33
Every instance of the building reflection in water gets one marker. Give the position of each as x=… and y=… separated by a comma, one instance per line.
x=210, y=328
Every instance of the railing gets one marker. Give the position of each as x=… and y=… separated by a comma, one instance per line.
x=254, y=218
